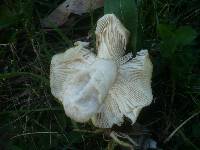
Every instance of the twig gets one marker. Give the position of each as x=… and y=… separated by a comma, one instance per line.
x=128, y=138
x=4, y=45
x=122, y=143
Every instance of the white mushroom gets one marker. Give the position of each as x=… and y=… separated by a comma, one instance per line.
x=106, y=87
x=80, y=81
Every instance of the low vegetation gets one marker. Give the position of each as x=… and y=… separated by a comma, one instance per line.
x=31, y=118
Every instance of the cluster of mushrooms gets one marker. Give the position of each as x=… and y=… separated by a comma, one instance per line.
x=103, y=87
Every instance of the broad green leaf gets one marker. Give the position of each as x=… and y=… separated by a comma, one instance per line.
x=173, y=39
x=126, y=11
x=165, y=31
x=168, y=47
x=168, y=44
x=185, y=35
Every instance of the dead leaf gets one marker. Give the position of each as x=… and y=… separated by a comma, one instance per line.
x=60, y=15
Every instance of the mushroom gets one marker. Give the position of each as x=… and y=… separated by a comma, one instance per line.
x=105, y=87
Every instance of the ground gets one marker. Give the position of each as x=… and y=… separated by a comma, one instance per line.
x=31, y=118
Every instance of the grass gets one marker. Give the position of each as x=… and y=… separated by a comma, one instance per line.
x=31, y=118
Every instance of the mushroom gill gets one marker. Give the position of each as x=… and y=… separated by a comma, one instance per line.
x=103, y=87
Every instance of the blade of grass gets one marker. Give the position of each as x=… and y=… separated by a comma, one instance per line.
x=180, y=126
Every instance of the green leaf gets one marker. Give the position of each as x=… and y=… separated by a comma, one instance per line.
x=168, y=44
x=168, y=48
x=166, y=31
x=126, y=11
x=185, y=35
x=173, y=39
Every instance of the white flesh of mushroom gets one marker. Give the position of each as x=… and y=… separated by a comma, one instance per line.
x=106, y=87
x=80, y=81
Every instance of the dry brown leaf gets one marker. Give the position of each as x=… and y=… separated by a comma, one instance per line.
x=60, y=15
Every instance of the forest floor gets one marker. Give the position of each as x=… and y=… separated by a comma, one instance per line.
x=31, y=118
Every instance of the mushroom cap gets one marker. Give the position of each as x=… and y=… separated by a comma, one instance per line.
x=80, y=81
x=129, y=94
x=111, y=37
x=65, y=65
x=106, y=87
